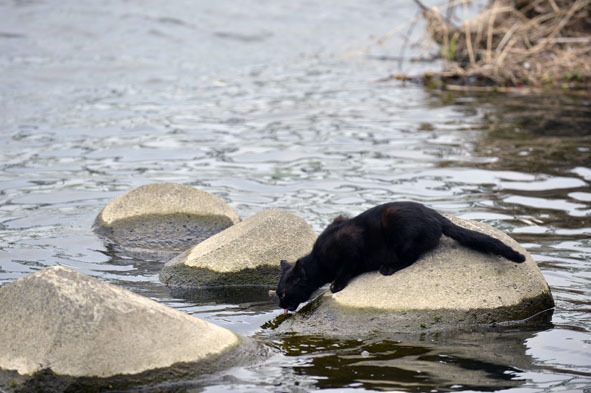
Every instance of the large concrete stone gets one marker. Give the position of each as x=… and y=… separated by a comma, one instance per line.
x=76, y=325
x=163, y=216
x=246, y=254
x=449, y=287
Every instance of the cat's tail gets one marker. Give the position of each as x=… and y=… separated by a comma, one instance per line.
x=479, y=241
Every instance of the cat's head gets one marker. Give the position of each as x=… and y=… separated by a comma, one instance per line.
x=294, y=287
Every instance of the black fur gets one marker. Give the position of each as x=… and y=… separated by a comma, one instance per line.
x=386, y=238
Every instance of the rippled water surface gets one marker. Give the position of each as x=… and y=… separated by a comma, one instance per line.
x=273, y=104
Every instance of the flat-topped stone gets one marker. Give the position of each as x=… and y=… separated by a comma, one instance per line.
x=164, y=216
x=246, y=254
x=445, y=288
x=75, y=325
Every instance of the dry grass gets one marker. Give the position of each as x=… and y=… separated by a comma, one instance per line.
x=536, y=43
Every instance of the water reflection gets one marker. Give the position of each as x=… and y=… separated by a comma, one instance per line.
x=254, y=298
x=489, y=361
x=548, y=134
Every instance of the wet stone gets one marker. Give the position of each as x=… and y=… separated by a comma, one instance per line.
x=448, y=288
x=163, y=217
x=246, y=254
x=63, y=323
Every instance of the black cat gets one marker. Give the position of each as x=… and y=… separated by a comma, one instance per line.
x=387, y=238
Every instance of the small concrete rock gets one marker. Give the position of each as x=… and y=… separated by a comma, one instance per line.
x=246, y=254
x=76, y=325
x=446, y=288
x=163, y=216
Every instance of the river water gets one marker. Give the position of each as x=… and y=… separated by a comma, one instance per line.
x=276, y=104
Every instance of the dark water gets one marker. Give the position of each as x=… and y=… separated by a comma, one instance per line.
x=270, y=104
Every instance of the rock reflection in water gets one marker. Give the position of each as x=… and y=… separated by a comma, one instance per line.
x=468, y=360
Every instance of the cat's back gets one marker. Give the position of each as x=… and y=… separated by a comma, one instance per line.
x=397, y=214
x=401, y=208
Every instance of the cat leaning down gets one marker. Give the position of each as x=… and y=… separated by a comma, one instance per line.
x=386, y=238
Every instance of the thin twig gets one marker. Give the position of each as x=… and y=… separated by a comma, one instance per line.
x=570, y=40
x=491, y=22
x=468, y=35
x=506, y=38
x=554, y=6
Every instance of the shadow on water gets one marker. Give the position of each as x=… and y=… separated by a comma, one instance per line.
x=228, y=295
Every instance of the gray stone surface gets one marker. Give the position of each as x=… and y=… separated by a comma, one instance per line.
x=446, y=288
x=76, y=325
x=164, y=216
x=246, y=254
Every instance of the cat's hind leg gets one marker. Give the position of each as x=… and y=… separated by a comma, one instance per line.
x=388, y=263
x=414, y=250
x=387, y=270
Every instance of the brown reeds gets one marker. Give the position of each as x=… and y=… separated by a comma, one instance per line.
x=533, y=43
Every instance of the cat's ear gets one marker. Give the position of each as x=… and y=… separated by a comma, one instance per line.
x=285, y=265
x=340, y=218
x=299, y=269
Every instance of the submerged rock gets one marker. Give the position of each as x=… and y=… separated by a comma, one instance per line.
x=246, y=254
x=163, y=217
x=449, y=287
x=66, y=323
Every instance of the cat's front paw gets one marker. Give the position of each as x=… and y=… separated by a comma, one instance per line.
x=334, y=287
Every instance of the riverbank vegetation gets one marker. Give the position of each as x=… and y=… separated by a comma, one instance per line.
x=514, y=44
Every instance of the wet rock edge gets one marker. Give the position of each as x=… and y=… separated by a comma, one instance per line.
x=184, y=230
x=246, y=351
x=183, y=276
x=322, y=316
